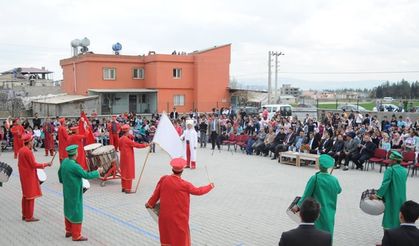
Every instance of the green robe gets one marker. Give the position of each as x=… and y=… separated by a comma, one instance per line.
x=70, y=175
x=325, y=190
x=393, y=192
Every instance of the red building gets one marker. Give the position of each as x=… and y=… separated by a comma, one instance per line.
x=151, y=83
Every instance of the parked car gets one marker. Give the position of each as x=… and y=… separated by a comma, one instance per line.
x=388, y=99
x=284, y=109
x=349, y=107
x=388, y=108
x=252, y=111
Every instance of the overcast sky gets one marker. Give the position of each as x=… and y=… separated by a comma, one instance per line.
x=317, y=36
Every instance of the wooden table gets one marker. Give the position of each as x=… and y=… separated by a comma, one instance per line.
x=290, y=158
x=295, y=158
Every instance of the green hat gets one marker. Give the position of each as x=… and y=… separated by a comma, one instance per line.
x=395, y=155
x=72, y=149
x=326, y=161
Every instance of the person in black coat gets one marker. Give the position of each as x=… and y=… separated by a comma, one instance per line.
x=337, y=150
x=313, y=143
x=278, y=140
x=407, y=234
x=306, y=233
x=326, y=144
x=366, y=152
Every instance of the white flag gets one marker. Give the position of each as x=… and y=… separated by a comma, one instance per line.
x=167, y=137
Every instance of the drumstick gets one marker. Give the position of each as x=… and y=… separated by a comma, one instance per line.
x=206, y=170
x=142, y=171
x=52, y=161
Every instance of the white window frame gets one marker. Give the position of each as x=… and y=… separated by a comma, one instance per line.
x=179, y=100
x=106, y=73
x=177, y=73
x=140, y=72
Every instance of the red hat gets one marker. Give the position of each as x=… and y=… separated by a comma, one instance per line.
x=125, y=128
x=74, y=128
x=27, y=137
x=178, y=164
x=113, y=116
x=61, y=120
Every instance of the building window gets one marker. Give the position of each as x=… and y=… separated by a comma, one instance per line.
x=109, y=73
x=179, y=100
x=138, y=73
x=177, y=73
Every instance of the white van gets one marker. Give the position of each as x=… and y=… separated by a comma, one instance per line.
x=284, y=109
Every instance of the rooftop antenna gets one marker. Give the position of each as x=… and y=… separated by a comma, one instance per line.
x=116, y=48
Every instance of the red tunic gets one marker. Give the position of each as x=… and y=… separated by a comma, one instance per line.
x=174, y=195
x=127, y=163
x=17, y=131
x=78, y=140
x=179, y=130
x=48, y=129
x=62, y=142
x=28, y=176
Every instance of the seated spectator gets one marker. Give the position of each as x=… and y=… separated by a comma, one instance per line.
x=410, y=142
x=337, y=151
x=407, y=234
x=279, y=139
x=326, y=143
x=306, y=233
x=366, y=152
x=385, y=143
x=298, y=142
x=396, y=142
x=258, y=144
x=313, y=143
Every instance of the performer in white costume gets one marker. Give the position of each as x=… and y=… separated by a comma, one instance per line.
x=190, y=138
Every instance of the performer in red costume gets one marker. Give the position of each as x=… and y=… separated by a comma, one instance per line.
x=48, y=130
x=62, y=140
x=127, y=163
x=29, y=181
x=77, y=139
x=114, y=129
x=17, y=131
x=174, y=195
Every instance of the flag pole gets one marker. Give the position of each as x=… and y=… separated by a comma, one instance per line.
x=142, y=170
x=206, y=170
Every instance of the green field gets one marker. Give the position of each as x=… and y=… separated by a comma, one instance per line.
x=366, y=105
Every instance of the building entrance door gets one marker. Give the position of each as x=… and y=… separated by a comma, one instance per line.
x=132, y=103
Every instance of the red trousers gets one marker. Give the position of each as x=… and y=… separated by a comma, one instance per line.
x=74, y=229
x=189, y=163
x=28, y=205
x=114, y=139
x=51, y=151
x=126, y=184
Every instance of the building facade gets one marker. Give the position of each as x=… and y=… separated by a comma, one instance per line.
x=287, y=89
x=151, y=83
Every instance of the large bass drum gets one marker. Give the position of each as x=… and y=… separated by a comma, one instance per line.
x=371, y=207
x=91, y=161
x=42, y=175
x=104, y=157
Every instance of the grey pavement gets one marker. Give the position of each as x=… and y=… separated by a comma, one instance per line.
x=247, y=206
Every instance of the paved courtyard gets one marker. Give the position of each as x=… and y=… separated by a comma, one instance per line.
x=247, y=206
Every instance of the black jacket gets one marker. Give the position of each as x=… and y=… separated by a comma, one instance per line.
x=326, y=145
x=279, y=138
x=402, y=236
x=305, y=235
x=338, y=146
x=368, y=149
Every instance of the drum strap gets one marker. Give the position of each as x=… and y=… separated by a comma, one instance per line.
x=315, y=184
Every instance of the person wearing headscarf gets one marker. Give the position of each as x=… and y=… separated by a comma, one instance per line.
x=190, y=136
x=393, y=191
x=324, y=188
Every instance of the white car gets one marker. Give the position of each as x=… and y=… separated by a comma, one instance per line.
x=388, y=108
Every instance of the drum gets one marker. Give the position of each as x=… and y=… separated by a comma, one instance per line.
x=5, y=172
x=86, y=185
x=294, y=216
x=42, y=176
x=91, y=163
x=371, y=207
x=104, y=157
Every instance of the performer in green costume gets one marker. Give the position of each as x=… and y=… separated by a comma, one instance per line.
x=70, y=175
x=393, y=191
x=324, y=188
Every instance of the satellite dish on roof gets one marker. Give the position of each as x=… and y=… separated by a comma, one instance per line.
x=116, y=48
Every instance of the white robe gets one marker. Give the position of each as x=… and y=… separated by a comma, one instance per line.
x=192, y=136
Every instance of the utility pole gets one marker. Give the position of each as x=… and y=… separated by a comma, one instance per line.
x=269, y=78
x=276, y=54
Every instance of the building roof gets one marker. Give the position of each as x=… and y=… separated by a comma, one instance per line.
x=133, y=90
x=208, y=49
x=28, y=70
x=286, y=97
x=64, y=99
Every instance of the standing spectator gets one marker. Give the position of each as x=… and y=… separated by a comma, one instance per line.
x=214, y=130
x=203, y=128
x=36, y=121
